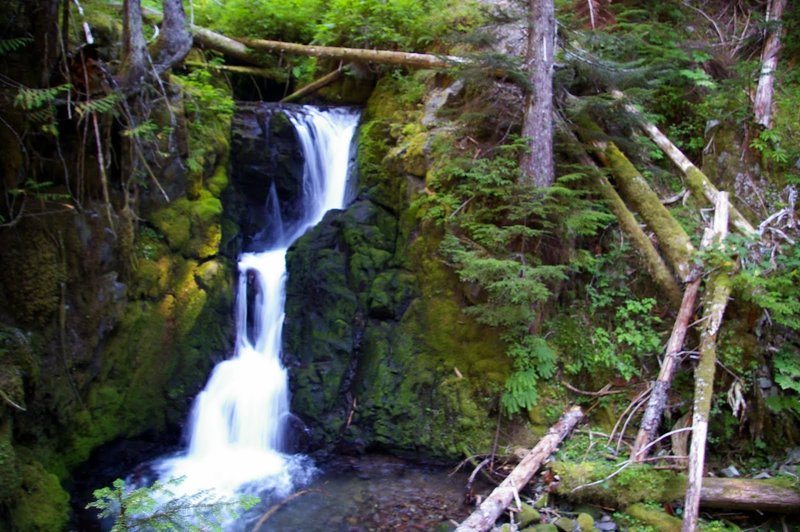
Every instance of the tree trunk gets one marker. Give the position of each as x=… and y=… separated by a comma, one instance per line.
x=484, y=517
x=408, y=59
x=634, y=189
x=537, y=165
x=134, y=46
x=716, y=299
x=746, y=494
x=658, y=395
x=656, y=267
x=700, y=185
x=762, y=104
x=174, y=40
x=43, y=16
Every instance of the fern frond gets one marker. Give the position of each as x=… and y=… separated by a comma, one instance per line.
x=101, y=105
x=13, y=44
x=30, y=99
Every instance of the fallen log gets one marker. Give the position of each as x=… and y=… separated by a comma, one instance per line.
x=634, y=189
x=700, y=185
x=225, y=45
x=277, y=74
x=407, y=59
x=656, y=267
x=716, y=300
x=644, y=483
x=486, y=514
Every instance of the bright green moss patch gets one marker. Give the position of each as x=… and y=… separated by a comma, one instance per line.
x=41, y=505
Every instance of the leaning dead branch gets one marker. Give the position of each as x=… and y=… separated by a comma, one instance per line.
x=658, y=396
x=762, y=103
x=700, y=185
x=716, y=300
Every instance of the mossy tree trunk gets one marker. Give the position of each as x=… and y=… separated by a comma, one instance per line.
x=671, y=236
x=656, y=267
x=716, y=300
x=537, y=163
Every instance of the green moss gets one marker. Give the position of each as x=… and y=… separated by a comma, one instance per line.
x=637, y=483
x=10, y=479
x=32, y=275
x=672, y=237
x=219, y=180
x=654, y=517
x=41, y=503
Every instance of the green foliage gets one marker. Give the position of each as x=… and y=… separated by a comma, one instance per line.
x=99, y=105
x=404, y=24
x=633, y=337
x=772, y=283
x=287, y=20
x=209, y=108
x=157, y=507
x=494, y=225
x=786, y=365
x=13, y=44
x=31, y=99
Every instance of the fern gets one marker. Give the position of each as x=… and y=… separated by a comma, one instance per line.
x=13, y=44
x=30, y=99
x=101, y=105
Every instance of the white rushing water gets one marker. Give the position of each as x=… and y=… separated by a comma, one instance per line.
x=239, y=420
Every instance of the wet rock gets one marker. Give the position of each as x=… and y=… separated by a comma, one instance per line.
x=585, y=522
x=527, y=515
x=565, y=524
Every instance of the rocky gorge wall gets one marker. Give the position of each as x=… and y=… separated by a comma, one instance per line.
x=110, y=318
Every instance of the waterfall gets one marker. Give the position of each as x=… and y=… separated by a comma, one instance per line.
x=238, y=422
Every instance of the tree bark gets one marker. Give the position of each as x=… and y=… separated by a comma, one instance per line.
x=716, y=299
x=43, y=16
x=700, y=185
x=656, y=267
x=762, y=104
x=134, y=46
x=174, y=40
x=537, y=164
x=658, y=395
x=484, y=517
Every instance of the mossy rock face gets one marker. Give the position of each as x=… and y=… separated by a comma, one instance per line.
x=10, y=479
x=41, y=504
x=32, y=270
x=380, y=353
